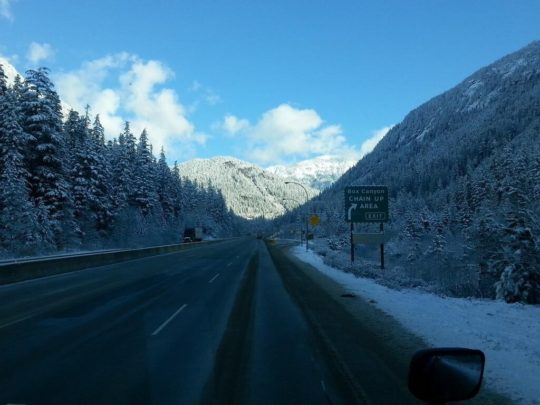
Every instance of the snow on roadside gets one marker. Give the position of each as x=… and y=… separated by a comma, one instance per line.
x=509, y=335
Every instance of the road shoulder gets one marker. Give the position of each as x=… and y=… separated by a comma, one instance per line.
x=367, y=345
x=372, y=332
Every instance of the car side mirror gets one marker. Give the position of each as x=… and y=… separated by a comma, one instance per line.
x=446, y=374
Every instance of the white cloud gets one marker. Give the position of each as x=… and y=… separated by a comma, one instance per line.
x=205, y=94
x=233, y=125
x=287, y=132
x=39, y=52
x=124, y=87
x=369, y=144
x=5, y=9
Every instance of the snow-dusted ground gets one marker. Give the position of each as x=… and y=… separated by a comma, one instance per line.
x=509, y=335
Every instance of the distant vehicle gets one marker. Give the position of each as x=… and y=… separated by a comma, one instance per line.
x=187, y=239
x=195, y=234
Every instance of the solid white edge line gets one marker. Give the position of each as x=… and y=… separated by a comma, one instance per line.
x=168, y=320
x=213, y=278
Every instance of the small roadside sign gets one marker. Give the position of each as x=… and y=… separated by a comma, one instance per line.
x=314, y=220
x=366, y=204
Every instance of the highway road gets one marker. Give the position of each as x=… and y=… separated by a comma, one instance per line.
x=229, y=323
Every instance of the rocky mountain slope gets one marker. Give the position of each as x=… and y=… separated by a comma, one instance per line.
x=249, y=191
x=463, y=171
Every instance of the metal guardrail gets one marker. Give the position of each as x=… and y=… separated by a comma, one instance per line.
x=30, y=268
x=4, y=262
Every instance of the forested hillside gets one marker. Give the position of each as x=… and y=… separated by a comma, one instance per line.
x=64, y=187
x=463, y=171
x=248, y=190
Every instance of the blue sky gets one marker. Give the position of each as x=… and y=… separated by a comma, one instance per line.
x=266, y=81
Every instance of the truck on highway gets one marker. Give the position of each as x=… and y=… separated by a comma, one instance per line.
x=194, y=234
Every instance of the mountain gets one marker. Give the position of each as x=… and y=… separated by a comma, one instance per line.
x=249, y=191
x=463, y=171
x=318, y=173
x=9, y=70
x=454, y=132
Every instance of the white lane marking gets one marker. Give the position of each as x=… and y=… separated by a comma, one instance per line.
x=168, y=320
x=323, y=385
x=229, y=265
x=19, y=320
x=213, y=278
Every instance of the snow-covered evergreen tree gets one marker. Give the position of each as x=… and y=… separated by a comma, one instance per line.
x=64, y=187
x=144, y=195
x=21, y=232
x=101, y=180
x=165, y=188
x=42, y=122
x=520, y=259
x=89, y=177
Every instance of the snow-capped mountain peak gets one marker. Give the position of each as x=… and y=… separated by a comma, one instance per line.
x=9, y=70
x=319, y=172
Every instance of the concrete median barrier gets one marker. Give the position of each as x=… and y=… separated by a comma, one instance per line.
x=27, y=270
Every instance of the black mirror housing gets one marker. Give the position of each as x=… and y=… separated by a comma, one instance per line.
x=446, y=374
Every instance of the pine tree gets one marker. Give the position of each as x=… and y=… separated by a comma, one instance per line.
x=3, y=81
x=165, y=188
x=520, y=262
x=42, y=121
x=20, y=231
x=439, y=244
x=76, y=134
x=123, y=164
x=144, y=196
x=412, y=233
x=177, y=191
x=89, y=176
x=103, y=208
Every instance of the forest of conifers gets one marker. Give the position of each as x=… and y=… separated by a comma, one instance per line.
x=64, y=187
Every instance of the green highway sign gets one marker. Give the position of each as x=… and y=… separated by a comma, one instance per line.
x=366, y=204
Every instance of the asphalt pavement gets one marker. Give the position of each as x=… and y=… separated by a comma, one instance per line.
x=220, y=324
x=144, y=331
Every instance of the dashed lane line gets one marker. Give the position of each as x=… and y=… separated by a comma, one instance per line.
x=213, y=278
x=169, y=320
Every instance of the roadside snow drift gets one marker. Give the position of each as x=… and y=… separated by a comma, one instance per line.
x=509, y=334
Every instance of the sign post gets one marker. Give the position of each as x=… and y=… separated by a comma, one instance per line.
x=382, y=247
x=367, y=204
x=352, y=244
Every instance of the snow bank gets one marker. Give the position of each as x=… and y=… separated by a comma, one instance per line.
x=508, y=334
